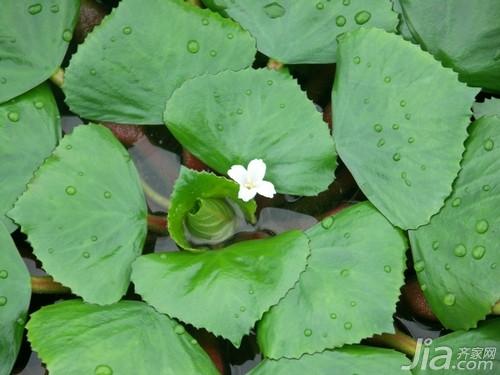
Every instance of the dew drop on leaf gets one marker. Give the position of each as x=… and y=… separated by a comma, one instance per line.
x=327, y=222
x=230, y=36
x=320, y=6
x=362, y=17
x=346, y=2
x=387, y=269
x=488, y=144
x=456, y=202
x=307, y=332
x=435, y=245
x=482, y=226
x=213, y=53
x=411, y=140
x=127, y=30
x=35, y=9
x=4, y=274
x=396, y=156
x=419, y=266
x=103, y=370
x=3, y=80
x=239, y=111
x=205, y=21
x=486, y=187
x=408, y=116
x=243, y=308
x=449, y=299
x=460, y=250
x=13, y=116
x=395, y=126
x=107, y=194
x=248, y=92
x=67, y=35
x=353, y=303
x=378, y=128
x=93, y=238
x=193, y=46
x=270, y=82
x=356, y=59
x=340, y=21
x=344, y=272
x=70, y=190
x=387, y=79
x=274, y=10
x=423, y=287
x=179, y=329
x=54, y=8
x=447, y=267
x=38, y=104
x=219, y=127
x=402, y=103
x=3, y=301
x=381, y=142
x=86, y=254
x=478, y=252
x=493, y=266
x=93, y=72
x=333, y=316
x=347, y=325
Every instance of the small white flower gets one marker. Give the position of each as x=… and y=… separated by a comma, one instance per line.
x=251, y=180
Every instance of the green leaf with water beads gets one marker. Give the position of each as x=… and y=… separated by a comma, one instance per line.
x=28, y=122
x=15, y=293
x=331, y=304
x=456, y=255
x=490, y=107
x=193, y=189
x=304, y=32
x=400, y=123
x=130, y=64
x=224, y=291
x=473, y=352
x=361, y=360
x=34, y=37
x=235, y=117
x=76, y=338
x=463, y=34
x=84, y=213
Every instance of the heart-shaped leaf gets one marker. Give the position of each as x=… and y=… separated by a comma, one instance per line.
x=235, y=117
x=331, y=304
x=108, y=78
x=85, y=214
x=15, y=293
x=29, y=122
x=463, y=34
x=490, y=107
x=456, y=255
x=76, y=338
x=224, y=291
x=360, y=360
x=190, y=187
x=34, y=37
x=298, y=32
x=400, y=122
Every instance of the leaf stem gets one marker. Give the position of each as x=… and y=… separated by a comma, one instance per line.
x=47, y=285
x=398, y=340
x=58, y=77
x=274, y=64
x=155, y=196
x=158, y=224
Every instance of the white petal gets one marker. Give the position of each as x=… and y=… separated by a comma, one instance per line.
x=246, y=194
x=238, y=173
x=256, y=170
x=266, y=189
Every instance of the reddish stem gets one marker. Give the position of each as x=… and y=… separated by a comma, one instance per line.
x=158, y=224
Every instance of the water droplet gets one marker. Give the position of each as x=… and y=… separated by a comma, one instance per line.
x=347, y=325
x=344, y=273
x=4, y=274
x=435, y=245
x=449, y=299
x=93, y=72
x=54, y=8
x=346, y=2
x=103, y=370
x=179, y=329
x=347, y=235
x=333, y=316
x=486, y=187
x=456, y=202
x=250, y=291
x=408, y=116
x=387, y=79
x=67, y=35
x=356, y=59
x=419, y=266
x=423, y=167
x=20, y=321
x=13, y=116
x=307, y=332
x=86, y=254
x=488, y=144
x=213, y=53
x=239, y=111
x=282, y=105
x=396, y=156
x=353, y=303
x=378, y=128
x=447, y=267
x=204, y=21
x=93, y=238
x=3, y=301
x=381, y=142
x=236, y=315
x=243, y=308
x=423, y=287
x=327, y=222
x=395, y=126
x=320, y=6
x=493, y=266
x=68, y=147
x=107, y=194
x=193, y=46
x=230, y=36
x=460, y=250
x=478, y=252
x=127, y=30
x=340, y=21
x=482, y=226
x=3, y=80
x=362, y=17
x=270, y=82
x=248, y=92
x=411, y=140
x=70, y=190
x=387, y=269
x=35, y=9
x=81, y=173
x=402, y=103
x=193, y=342
x=274, y=10
x=366, y=100
x=220, y=127
x=50, y=250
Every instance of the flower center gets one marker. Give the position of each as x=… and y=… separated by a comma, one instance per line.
x=249, y=184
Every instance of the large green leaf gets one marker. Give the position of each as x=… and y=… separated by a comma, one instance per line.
x=348, y=291
x=15, y=293
x=224, y=291
x=400, y=123
x=191, y=186
x=130, y=64
x=472, y=352
x=128, y=337
x=85, y=214
x=463, y=34
x=234, y=117
x=360, y=360
x=457, y=255
x=297, y=32
x=34, y=36
x=28, y=123
x=489, y=107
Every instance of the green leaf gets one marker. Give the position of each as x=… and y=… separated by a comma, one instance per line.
x=29, y=122
x=463, y=34
x=489, y=107
x=189, y=188
x=130, y=64
x=484, y=340
x=348, y=291
x=304, y=32
x=235, y=117
x=403, y=29
x=34, y=36
x=361, y=360
x=224, y=291
x=457, y=253
x=85, y=214
x=400, y=123
x=15, y=293
x=76, y=338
